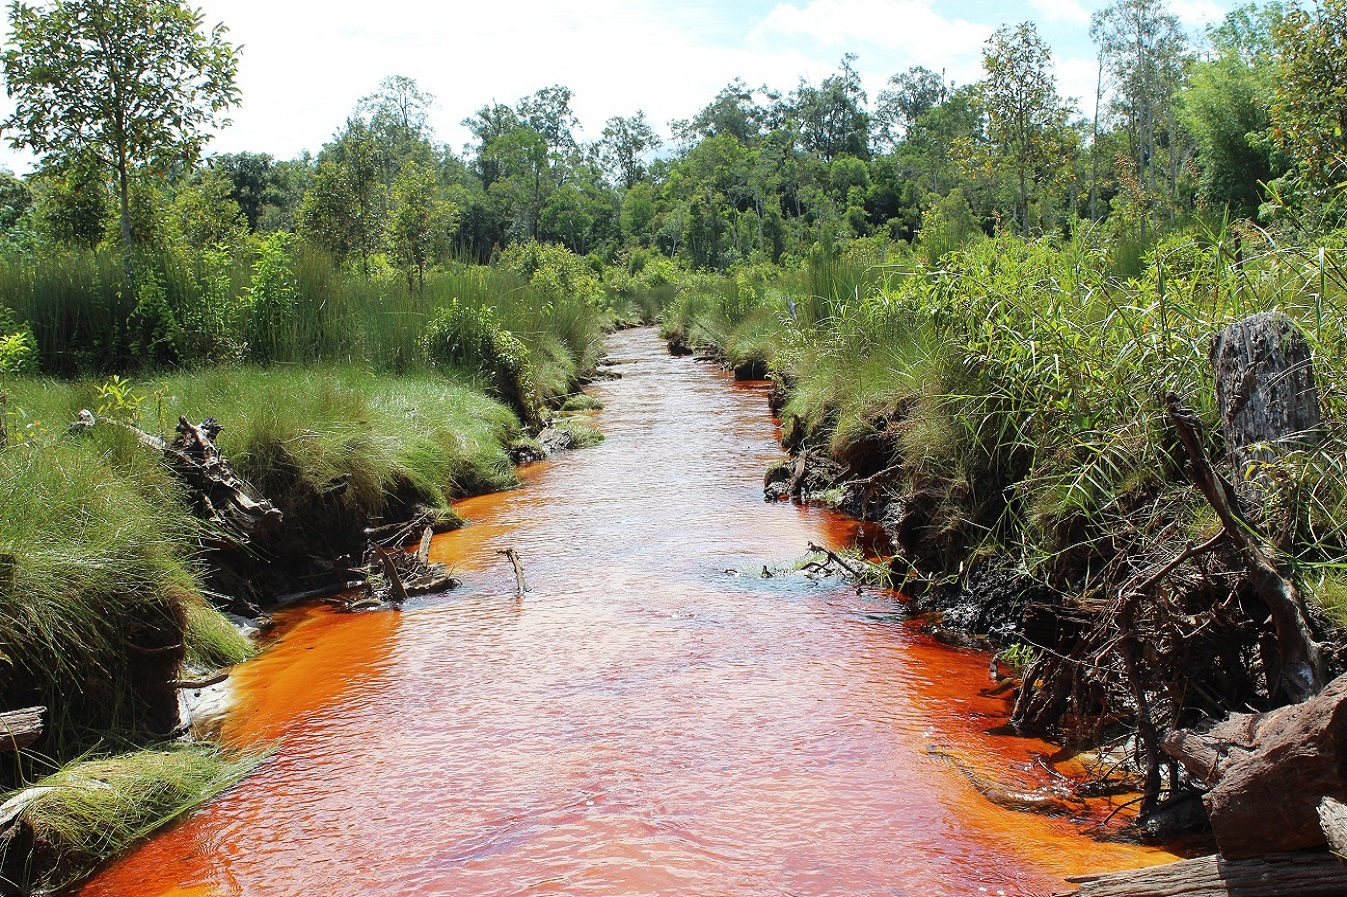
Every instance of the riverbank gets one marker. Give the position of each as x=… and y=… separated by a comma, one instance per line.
x=117, y=573
x=1003, y=418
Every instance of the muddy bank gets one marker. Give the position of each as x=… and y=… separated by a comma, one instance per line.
x=1123, y=637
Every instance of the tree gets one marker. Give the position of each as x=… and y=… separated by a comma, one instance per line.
x=1309, y=109
x=128, y=84
x=421, y=222
x=733, y=112
x=1143, y=48
x=1225, y=109
x=1025, y=116
x=912, y=94
x=625, y=142
x=343, y=211
x=832, y=116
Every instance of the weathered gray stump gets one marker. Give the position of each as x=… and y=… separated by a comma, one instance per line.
x=1265, y=391
x=1268, y=772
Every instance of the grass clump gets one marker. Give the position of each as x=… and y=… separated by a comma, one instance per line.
x=582, y=435
x=581, y=403
x=94, y=809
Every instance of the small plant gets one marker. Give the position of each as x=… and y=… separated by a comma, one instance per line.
x=118, y=400
x=1018, y=656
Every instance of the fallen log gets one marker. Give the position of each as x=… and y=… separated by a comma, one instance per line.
x=1268, y=773
x=19, y=729
x=1310, y=874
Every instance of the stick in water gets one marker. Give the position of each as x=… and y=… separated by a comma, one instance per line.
x=518, y=571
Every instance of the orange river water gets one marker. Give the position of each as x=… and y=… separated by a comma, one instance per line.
x=655, y=718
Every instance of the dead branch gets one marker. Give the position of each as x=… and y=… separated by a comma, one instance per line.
x=513, y=557
x=1302, y=671
x=20, y=728
x=834, y=558
x=397, y=591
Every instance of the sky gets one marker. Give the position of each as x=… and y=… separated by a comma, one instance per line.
x=304, y=64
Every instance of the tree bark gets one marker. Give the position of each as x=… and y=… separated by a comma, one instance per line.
x=1265, y=392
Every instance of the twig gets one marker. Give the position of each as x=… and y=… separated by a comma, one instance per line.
x=518, y=571
x=832, y=556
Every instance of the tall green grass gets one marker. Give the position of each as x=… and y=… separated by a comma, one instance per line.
x=274, y=300
x=97, y=551
x=1019, y=386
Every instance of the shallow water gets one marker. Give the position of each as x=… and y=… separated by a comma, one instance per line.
x=656, y=717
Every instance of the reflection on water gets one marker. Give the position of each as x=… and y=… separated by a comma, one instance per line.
x=655, y=718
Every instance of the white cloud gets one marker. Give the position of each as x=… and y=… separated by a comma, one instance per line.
x=1198, y=13
x=912, y=27
x=1068, y=11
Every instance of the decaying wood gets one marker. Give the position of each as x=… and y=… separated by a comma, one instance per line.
x=1333, y=821
x=397, y=592
x=1268, y=772
x=19, y=729
x=833, y=558
x=198, y=684
x=1300, y=668
x=227, y=499
x=513, y=557
x=222, y=496
x=400, y=575
x=1265, y=390
x=1312, y=874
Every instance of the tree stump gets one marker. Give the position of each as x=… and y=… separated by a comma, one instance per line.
x=1265, y=391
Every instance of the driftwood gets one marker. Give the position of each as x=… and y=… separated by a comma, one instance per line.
x=401, y=575
x=513, y=557
x=222, y=496
x=1268, y=772
x=1265, y=391
x=855, y=573
x=1333, y=820
x=19, y=729
x=1312, y=874
x=1297, y=672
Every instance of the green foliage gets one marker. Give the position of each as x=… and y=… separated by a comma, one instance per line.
x=947, y=226
x=18, y=347
x=271, y=301
x=468, y=339
x=1310, y=92
x=119, y=83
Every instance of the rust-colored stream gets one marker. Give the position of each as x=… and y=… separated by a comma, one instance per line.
x=656, y=718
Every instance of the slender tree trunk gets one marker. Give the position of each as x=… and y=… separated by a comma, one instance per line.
x=1094, y=145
